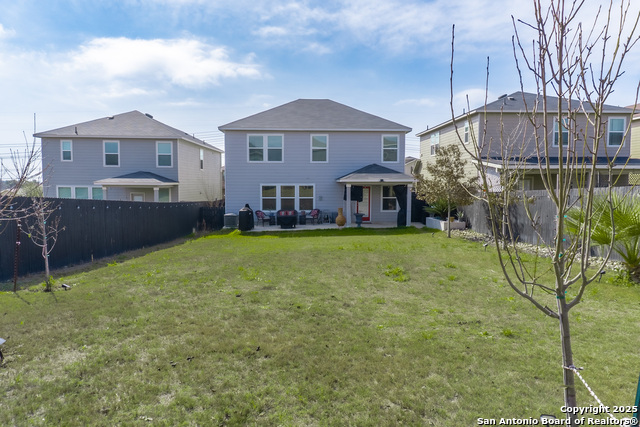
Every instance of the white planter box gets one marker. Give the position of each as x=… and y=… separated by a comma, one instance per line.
x=442, y=225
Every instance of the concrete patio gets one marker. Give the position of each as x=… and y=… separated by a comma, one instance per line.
x=327, y=226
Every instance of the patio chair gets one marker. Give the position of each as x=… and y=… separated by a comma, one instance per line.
x=262, y=217
x=314, y=214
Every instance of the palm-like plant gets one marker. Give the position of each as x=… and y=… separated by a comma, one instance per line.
x=622, y=229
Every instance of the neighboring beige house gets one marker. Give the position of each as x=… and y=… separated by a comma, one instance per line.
x=505, y=119
x=409, y=165
x=129, y=156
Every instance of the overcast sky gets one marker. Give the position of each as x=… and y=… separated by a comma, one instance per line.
x=198, y=64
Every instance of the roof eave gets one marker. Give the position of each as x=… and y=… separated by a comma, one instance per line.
x=252, y=129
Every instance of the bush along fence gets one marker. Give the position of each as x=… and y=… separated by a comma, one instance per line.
x=95, y=229
x=541, y=207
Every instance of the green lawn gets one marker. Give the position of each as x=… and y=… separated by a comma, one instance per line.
x=344, y=327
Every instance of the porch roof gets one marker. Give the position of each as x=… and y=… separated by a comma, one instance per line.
x=619, y=163
x=137, y=179
x=375, y=173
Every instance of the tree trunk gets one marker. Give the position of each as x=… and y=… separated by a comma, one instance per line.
x=567, y=359
x=47, y=277
x=448, y=218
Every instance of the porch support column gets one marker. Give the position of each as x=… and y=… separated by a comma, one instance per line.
x=409, y=186
x=104, y=193
x=156, y=195
x=348, y=213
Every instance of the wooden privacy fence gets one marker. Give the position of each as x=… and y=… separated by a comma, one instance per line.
x=541, y=206
x=99, y=228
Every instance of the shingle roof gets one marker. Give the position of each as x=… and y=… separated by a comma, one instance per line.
x=140, y=178
x=515, y=103
x=133, y=124
x=314, y=115
x=519, y=102
x=601, y=162
x=375, y=173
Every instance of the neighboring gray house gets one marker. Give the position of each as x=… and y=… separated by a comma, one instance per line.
x=317, y=154
x=505, y=118
x=129, y=156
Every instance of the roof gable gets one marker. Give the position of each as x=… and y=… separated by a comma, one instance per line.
x=133, y=124
x=314, y=115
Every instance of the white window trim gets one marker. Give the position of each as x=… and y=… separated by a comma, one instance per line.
x=104, y=154
x=136, y=193
x=467, y=135
x=73, y=190
x=382, y=209
x=397, y=149
x=556, y=129
x=62, y=150
x=265, y=148
x=165, y=188
x=278, y=196
x=311, y=148
x=624, y=127
x=201, y=161
x=158, y=154
x=434, y=146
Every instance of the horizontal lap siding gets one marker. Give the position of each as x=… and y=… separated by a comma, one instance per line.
x=87, y=165
x=348, y=151
x=199, y=184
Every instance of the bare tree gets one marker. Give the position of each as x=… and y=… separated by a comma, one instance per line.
x=574, y=68
x=43, y=227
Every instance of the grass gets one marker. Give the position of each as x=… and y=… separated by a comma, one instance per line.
x=355, y=327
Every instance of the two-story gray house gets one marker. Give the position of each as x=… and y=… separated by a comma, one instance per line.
x=317, y=154
x=129, y=156
x=505, y=138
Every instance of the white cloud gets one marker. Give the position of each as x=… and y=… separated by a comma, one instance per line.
x=397, y=26
x=318, y=49
x=183, y=62
x=6, y=33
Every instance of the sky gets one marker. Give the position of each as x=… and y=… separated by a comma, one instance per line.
x=198, y=64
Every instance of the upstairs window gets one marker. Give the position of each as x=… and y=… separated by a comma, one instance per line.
x=435, y=143
x=617, y=128
x=466, y=133
x=319, y=148
x=201, y=158
x=565, y=133
x=164, y=154
x=265, y=148
x=111, y=153
x=390, y=148
x=66, y=151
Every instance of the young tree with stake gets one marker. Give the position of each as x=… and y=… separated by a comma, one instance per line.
x=574, y=69
x=43, y=227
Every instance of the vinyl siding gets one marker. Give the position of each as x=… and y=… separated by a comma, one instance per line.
x=199, y=184
x=87, y=165
x=515, y=138
x=348, y=151
x=635, y=139
x=448, y=137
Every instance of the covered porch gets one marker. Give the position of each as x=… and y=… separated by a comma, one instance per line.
x=139, y=186
x=394, y=195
